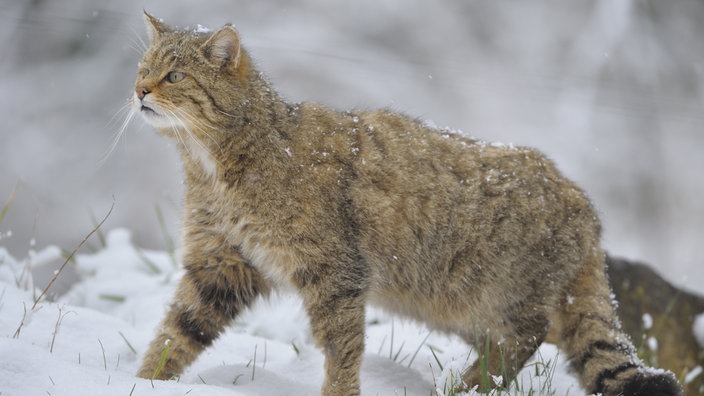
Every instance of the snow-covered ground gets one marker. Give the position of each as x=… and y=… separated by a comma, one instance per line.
x=89, y=341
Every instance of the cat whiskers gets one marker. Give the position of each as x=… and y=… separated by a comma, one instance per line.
x=136, y=43
x=177, y=125
x=201, y=126
x=117, y=135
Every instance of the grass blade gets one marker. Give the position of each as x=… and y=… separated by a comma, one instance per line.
x=127, y=342
x=162, y=360
x=7, y=205
x=170, y=246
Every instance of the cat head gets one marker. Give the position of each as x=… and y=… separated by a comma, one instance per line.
x=189, y=80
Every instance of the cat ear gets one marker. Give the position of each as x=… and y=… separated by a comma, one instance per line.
x=223, y=46
x=155, y=27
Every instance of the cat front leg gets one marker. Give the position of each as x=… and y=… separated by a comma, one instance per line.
x=213, y=291
x=336, y=310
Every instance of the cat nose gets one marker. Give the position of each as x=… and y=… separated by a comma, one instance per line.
x=141, y=92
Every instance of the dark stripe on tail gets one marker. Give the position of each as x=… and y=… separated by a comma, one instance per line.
x=571, y=331
x=610, y=374
x=600, y=346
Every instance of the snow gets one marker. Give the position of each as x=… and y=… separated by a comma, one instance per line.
x=202, y=29
x=698, y=329
x=92, y=339
x=692, y=374
x=647, y=321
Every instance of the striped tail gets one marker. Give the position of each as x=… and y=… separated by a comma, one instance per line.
x=601, y=354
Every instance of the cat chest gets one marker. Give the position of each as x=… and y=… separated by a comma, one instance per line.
x=259, y=247
x=262, y=235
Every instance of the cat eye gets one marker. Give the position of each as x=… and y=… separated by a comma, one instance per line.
x=174, y=76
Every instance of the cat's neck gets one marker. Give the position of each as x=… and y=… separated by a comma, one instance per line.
x=254, y=125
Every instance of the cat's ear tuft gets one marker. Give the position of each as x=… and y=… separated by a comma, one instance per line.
x=223, y=47
x=155, y=26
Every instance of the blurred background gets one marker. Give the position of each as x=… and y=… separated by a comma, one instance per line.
x=613, y=91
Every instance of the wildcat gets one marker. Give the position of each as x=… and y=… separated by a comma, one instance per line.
x=481, y=240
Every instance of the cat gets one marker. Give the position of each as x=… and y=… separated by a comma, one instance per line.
x=486, y=241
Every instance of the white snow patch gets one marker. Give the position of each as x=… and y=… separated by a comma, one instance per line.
x=202, y=29
x=647, y=321
x=692, y=374
x=502, y=145
x=698, y=329
x=432, y=125
x=7, y=234
x=498, y=380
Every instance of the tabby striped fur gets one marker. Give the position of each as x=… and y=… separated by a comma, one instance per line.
x=485, y=241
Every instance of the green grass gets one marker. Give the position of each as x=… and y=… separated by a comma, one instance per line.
x=150, y=264
x=129, y=345
x=162, y=360
x=169, y=244
x=8, y=203
x=112, y=297
x=169, y=247
x=535, y=378
x=654, y=330
x=99, y=233
x=540, y=380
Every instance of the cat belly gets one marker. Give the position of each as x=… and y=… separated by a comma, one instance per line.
x=444, y=313
x=432, y=298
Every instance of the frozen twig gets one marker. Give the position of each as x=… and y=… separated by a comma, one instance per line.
x=19, y=328
x=62, y=315
x=70, y=256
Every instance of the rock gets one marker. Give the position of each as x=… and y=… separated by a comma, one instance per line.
x=660, y=319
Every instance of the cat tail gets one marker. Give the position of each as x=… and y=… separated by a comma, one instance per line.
x=601, y=354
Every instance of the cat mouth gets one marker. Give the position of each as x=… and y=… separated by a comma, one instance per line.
x=148, y=110
x=150, y=115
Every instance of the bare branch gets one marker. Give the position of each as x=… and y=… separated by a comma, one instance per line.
x=70, y=256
